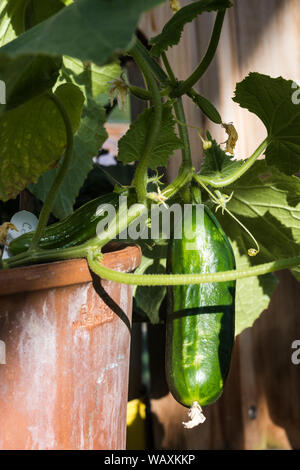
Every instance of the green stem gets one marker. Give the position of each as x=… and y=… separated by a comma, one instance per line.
x=187, y=84
x=186, y=279
x=140, y=93
x=180, y=117
x=222, y=182
x=155, y=67
x=41, y=256
x=148, y=104
x=123, y=219
x=140, y=178
x=185, y=175
x=146, y=95
x=51, y=196
x=183, y=134
x=168, y=68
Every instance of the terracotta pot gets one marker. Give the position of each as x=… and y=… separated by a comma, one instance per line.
x=67, y=341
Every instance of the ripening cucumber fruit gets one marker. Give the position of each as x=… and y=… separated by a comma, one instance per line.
x=200, y=319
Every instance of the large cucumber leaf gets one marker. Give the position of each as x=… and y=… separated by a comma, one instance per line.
x=267, y=202
x=33, y=138
x=18, y=15
x=273, y=101
x=12, y=19
x=38, y=11
x=91, y=30
x=92, y=80
x=29, y=75
x=253, y=294
x=26, y=77
x=87, y=141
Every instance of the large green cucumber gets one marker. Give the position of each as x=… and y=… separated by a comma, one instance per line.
x=200, y=321
x=73, y=230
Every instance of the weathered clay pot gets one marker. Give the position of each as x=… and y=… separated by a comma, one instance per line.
x=67, y=341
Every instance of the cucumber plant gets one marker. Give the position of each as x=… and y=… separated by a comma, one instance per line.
x=56, y=63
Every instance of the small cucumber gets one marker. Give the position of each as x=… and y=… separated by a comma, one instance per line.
x=73, y=230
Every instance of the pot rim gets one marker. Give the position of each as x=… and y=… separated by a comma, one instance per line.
x=67, y=272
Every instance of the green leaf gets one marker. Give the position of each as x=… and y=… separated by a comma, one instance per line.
x=91, y=30
x=18, y=15
x=288, y=184
x=38, y=11
x=33, y=138
x=217, y=164
x=253, y=294
x=87, y=142
x=26, y=77
x=12, y=19
x=272, y=100
x=92, y=79
x=262, y=192
x=171, y=33
x=269, y=206
x=267, y=202
x=131, y=145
